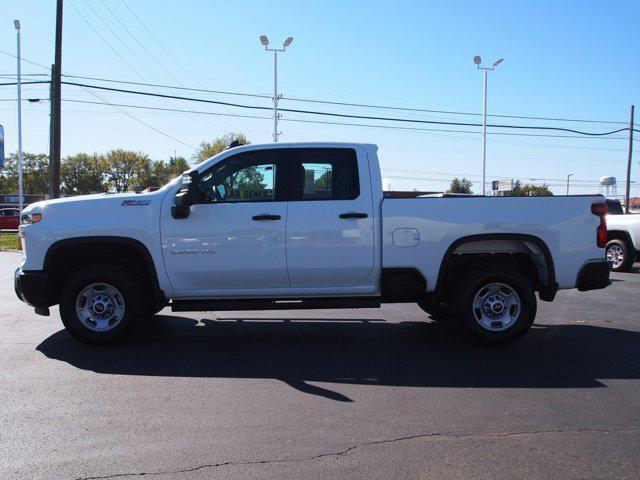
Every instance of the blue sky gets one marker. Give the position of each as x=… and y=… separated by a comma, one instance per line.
x=565, y=59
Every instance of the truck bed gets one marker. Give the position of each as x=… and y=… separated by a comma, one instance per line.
x=565, y=225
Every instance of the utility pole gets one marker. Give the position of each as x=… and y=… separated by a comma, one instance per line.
x=16, y=24
x=56, y=113
x=265, y=42
x=477, y=60
x=568, y=176
x=626, y=196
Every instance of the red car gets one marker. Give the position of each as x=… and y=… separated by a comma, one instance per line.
x=9, y=218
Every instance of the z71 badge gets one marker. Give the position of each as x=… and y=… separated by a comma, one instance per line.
x=193, y=251
x=133, y=203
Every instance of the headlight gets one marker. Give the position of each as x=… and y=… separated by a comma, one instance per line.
x=28, y=218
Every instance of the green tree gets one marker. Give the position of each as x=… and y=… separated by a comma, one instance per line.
x=126, y=170
x=82, y=174
x=528, y=190
x=537, y=190
x=460, y=185
x=35, y=173
x=158, y=172
x=208, y=150
x=248, y=178
x=176, y=166
x=324, y=182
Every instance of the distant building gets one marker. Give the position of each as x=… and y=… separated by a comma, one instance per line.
x=13, y=200
x=634, y=204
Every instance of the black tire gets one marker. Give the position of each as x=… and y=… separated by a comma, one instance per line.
x=438, y=313
x=125, y=283
x=622, y=249
x=473, y=283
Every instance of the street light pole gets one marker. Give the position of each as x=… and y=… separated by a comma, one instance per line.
x=265, y=42
x=568, y=176
x=478, y=61
x=275, y=96
x=484, y=130
x=16, y=23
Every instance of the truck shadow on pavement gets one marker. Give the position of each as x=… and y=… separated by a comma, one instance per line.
x=362, y=352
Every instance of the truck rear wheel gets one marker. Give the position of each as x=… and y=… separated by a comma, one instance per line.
x=497, y=307
x=99, y=304
x=619, y=255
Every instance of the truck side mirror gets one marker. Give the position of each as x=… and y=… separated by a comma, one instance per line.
x=186, y=197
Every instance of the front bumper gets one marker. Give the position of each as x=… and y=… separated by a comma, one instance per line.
x=593, y=276
x=31, y=288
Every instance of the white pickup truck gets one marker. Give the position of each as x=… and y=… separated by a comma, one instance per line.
x=307, y=225
x=623, y=239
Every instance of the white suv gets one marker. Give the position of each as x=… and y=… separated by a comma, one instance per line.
x=623, y=245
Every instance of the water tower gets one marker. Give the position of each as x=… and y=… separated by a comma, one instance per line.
x=608, y=186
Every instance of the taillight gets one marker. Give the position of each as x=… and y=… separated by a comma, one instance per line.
x=601, y=210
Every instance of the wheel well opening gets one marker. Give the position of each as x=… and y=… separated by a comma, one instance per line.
x=618, y=235
x=65, y=259
x=527, y=257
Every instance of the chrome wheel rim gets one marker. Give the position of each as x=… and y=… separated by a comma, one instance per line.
x=100, y=307
x=496, y=307
x=615, y=255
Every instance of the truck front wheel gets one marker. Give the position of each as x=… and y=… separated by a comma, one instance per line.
x=497, y=307
x=99, y=303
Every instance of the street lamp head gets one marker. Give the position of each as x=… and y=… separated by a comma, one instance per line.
x=477, y=60
x=16, y=23
x=264, y=40
x=498, y=62
x=287, y=42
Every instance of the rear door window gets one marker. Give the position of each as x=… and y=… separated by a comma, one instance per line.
x=323, y=174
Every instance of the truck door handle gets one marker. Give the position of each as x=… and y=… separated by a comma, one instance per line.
x=353, y=215
x=265, y=217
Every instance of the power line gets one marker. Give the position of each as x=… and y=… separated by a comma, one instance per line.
x=395, y=127
x=108, y=103
x=203, y=90
x=24, y=60
x=434, y=131
x=325, y=122
x=30, y=100
x=594, y=135
x=176, y=110
x=407, y=109
x=115, y=51
x=493, y=175
x=109, y=44
x=152, y=35
x=329, y=102
x=7, y=84
x=133, y=54
x=344, y=115
x=307, y=100
x=13, y=75
x=523, y=180
x=173, y=87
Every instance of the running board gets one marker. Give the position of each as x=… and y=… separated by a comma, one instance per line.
x=274, y=304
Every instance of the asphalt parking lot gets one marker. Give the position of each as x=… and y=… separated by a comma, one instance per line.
x=324, y=394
